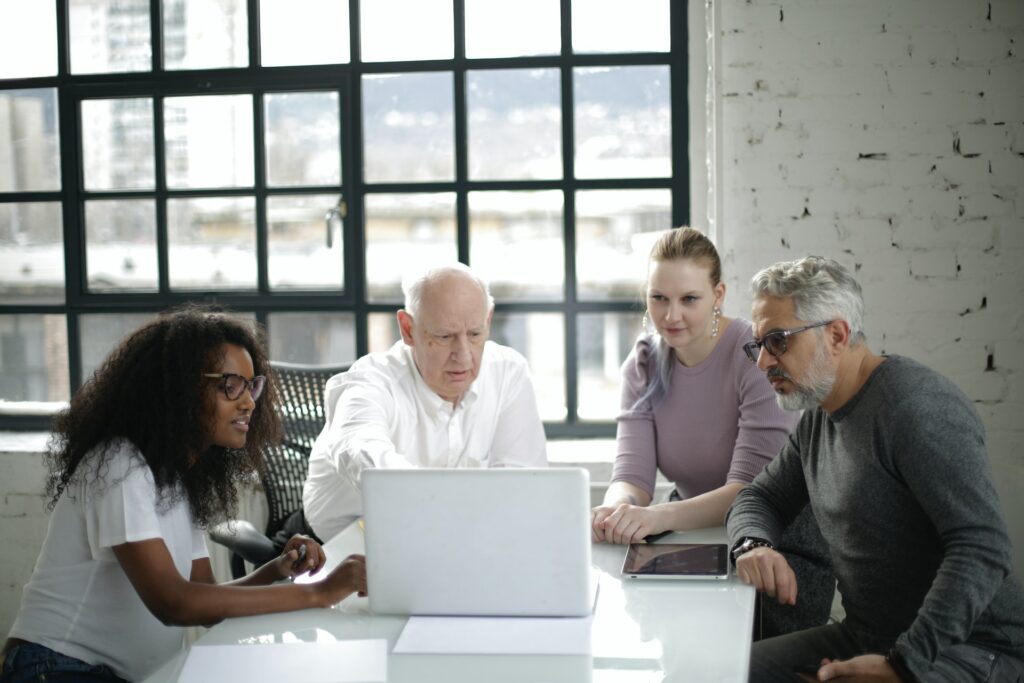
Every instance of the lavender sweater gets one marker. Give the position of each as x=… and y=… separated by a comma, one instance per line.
x=718, y=423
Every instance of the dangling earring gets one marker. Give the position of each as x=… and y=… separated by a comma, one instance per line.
x=646, y=323
x=717, y=312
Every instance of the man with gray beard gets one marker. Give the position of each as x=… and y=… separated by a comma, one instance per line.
x=891, y=457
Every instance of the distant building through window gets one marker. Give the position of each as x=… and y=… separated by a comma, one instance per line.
x=292, y=166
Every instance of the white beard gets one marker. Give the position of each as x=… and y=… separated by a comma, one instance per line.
x=818, y=385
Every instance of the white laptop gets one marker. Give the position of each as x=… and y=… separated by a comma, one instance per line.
x=478, y=542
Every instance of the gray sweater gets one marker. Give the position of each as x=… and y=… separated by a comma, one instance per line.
x=899, y=481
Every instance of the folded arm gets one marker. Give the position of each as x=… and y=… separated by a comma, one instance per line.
x=627, y=516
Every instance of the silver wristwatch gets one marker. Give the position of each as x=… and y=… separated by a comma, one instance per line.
x=747, y=544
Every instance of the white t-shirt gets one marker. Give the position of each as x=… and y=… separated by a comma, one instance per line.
x=79, y=602
x=382, y=414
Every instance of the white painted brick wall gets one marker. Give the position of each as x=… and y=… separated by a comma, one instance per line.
x=890, y=135
x=23, y=520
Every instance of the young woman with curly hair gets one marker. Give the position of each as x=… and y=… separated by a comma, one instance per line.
x=150, y=452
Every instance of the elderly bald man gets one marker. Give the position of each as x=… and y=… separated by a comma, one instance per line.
x=443, y=396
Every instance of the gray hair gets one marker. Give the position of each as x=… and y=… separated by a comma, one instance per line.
x=821, y=289
x=412, y=287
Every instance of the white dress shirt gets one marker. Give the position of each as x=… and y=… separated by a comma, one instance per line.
x=382, y=414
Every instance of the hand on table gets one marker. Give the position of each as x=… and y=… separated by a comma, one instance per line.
x=347, y=578
x=624, y=523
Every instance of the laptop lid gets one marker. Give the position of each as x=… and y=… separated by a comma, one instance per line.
x=480, y=542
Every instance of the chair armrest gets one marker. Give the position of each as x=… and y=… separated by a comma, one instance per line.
x=245, y=540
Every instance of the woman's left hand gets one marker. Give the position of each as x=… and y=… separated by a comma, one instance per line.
x=301, y=554
x=631, y=523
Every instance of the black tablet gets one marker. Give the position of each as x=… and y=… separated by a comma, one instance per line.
x=677, y=561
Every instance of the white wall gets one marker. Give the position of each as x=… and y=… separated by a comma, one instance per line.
x=23, y=517
x=890, y=136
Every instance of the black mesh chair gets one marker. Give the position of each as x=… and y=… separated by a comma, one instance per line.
x=302, y=414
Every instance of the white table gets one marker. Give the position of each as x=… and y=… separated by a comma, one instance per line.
x=642, y=631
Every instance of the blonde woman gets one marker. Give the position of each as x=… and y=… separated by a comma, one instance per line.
x=697, y=410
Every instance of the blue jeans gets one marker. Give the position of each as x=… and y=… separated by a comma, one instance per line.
x=31, y=663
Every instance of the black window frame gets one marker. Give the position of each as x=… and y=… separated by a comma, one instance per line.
x=345, y=79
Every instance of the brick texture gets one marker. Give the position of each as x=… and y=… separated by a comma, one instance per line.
x=890, y=136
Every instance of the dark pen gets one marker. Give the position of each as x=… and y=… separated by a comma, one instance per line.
x=651, y=538
x=301, y=557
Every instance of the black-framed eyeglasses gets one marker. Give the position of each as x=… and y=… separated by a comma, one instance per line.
x=233, y=385
x=775, y=342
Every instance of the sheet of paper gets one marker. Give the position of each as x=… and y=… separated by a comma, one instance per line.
x=345, y=661
x=495, y=636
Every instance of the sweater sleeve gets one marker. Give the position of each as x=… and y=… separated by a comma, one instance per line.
x=636, y=459
x=939, y=454
x=763, y=424
x=766, y=506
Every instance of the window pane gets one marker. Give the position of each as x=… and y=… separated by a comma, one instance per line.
x=382, y=331
x=305, y=250
x=28, y=39
x=603, y=342
x=29, y=142
x=399, y=30
x=109, y=35
x=615, y=230
x=117, y=144
x=302, y=137
x=212, y=243
x=515, y=241
x=209, y=141
x=408, y=127
x=512, y=29
x=120, y=245
x=318, y=34
x=313, y=338
x=34, y=358
x=614, y=26
x=515, y=124
x=31, y=253
x=541, y=338
x=623, y=122
x=101, y=332
x=406, y=232
x=205, y=34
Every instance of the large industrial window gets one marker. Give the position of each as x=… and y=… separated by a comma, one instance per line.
x=291, y=160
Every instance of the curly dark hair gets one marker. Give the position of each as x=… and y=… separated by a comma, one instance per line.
x=151, y=392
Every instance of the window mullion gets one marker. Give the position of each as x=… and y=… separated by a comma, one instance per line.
x=679, y=70
x=160, y=168
x=260, y=192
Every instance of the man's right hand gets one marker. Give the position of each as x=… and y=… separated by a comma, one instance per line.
x=767, y=571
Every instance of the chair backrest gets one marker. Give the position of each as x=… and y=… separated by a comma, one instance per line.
x=302, y=413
